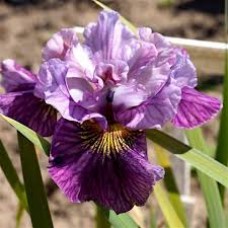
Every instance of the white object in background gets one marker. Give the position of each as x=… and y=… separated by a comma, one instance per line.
x=185, y=42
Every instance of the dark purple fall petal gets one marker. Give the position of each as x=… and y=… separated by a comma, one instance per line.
x=195, y=108
x=110, y=168
x=29, y=110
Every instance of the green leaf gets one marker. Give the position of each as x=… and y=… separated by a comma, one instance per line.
x=209, y=187
x=118, y=221
x=169, y=212
x=194, y=157
x=12, y=177
x=221, y=152
x=101, y=221
x=37, y=200
x=123, y=19
x=170, y=183
x=31, y=135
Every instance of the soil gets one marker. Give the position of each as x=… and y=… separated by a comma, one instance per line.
x=24, y=29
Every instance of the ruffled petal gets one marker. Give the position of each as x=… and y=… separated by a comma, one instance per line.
x=155, y=111
x=79, y=88
x=113, y=73
x=110, y=168
x=195, y=109
x=15, y=77
x=29, y=110
x=127, y=96
x=160, y=42
x=80, y=58
x=59, y=44
x=137, y=90
x=164, y=48
x=143, y=56
x=108, y=36
x=183, y=71
x=52, y=86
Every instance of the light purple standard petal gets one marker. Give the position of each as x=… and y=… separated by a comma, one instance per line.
x=154, y=112
x=80, y=57
x=51, y=85
x=146, y=83
x=142, y=56
x=112, y=73
x=59, y=44
x=182, y=69
x=110, y=168
x=15, y=77
x=30, y=111
x=107, y=38
x=195, y=109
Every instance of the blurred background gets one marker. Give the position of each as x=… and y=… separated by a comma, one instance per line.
x=25, y=26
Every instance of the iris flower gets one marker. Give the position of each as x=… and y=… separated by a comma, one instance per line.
x=109, y=90
x=22, y=101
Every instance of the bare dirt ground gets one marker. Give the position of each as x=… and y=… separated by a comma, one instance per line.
x=23, y=31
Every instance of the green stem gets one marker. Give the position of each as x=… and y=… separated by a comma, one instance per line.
x=221, y=153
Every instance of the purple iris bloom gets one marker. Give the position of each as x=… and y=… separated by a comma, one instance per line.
x=20, y=102
x=108, y=90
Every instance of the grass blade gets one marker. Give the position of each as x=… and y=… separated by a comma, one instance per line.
x=12, y=177
x=168, y=211
x=19, y=216
x=170, y=183
x=194, y=157
x=209, y=187
x=222, y=146
x=123, y=19
x=33, y=137
x=37, y=201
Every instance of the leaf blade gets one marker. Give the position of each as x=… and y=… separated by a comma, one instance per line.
x=170, y=214
x=209, y=187
x=12, y=177
x=170, y=183
x=222, y=145
x=194, y=157
x=37, y=201
x=31, y=135
x=118, y=221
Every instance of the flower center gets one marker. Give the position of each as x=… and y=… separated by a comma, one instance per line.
x=117, y=139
